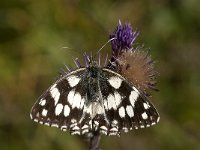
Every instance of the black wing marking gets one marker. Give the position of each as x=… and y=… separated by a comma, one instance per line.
x=63, y=103
x=131, y=109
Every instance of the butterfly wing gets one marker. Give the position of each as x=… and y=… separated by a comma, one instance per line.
x=62, y=104
x=119, y=105
x=125, y=106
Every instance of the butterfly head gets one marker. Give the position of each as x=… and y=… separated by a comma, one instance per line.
x=91, y=61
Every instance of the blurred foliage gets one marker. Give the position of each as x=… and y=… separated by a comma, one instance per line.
x=33, y=34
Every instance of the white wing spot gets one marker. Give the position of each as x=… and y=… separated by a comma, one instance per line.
x=142, y=126
x=75, y=132
x=31, y=116
x=75, y=128
x=105, y=103
x=42, y=102
x=40, y=122
x=46, y=123
x=55, y=93
x=96, y=123
x=84, y=127
x=44, y=112
x=121, y=112
x=133, y=97
x=70, y=97
x=66, y=110
x=99, y=109
x=85, y=131
x=114, y=122
x=114, y=129
x=54, y=125
x=147, y=125
x=82, y=103
x=113, y=133
x=111, y=102
x=135, y=89
x=115, y=82
x=90, y=123
x=36, y=120
x=76, y=100
x=104, y=128
x=118, y=98
x=103, y=132
x=63, y=128
x=88, y=109
x=146, y=105
x=73, y=80
x=144, y=115
x=129, y=110
x=53, y=86
x=58, y=109
x=73, y=120
x=125, y=129
x=158, y=119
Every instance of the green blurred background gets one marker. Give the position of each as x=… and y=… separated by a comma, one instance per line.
x=32, y=34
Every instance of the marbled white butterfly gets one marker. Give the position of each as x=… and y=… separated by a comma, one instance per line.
x=94, y=98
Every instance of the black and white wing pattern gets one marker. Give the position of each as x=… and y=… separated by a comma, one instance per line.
x=126, y=108
x=62, y=104
x=86, y=100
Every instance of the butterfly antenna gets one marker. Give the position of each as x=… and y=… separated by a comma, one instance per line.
x=86, y=59
x=106, y=60
x=99, y=59
x=106, y=44
x=77, y=63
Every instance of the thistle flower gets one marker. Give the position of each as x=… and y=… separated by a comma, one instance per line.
x=124, y=38
x=133, y=63
x=137, y=66
x=88, y=58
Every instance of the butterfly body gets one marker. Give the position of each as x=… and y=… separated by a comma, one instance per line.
x=94, y=98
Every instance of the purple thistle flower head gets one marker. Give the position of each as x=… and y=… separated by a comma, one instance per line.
x=123, y=38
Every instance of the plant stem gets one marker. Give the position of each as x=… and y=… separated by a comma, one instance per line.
x=94, y=141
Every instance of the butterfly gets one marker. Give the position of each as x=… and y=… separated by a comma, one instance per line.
x=94, y=98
